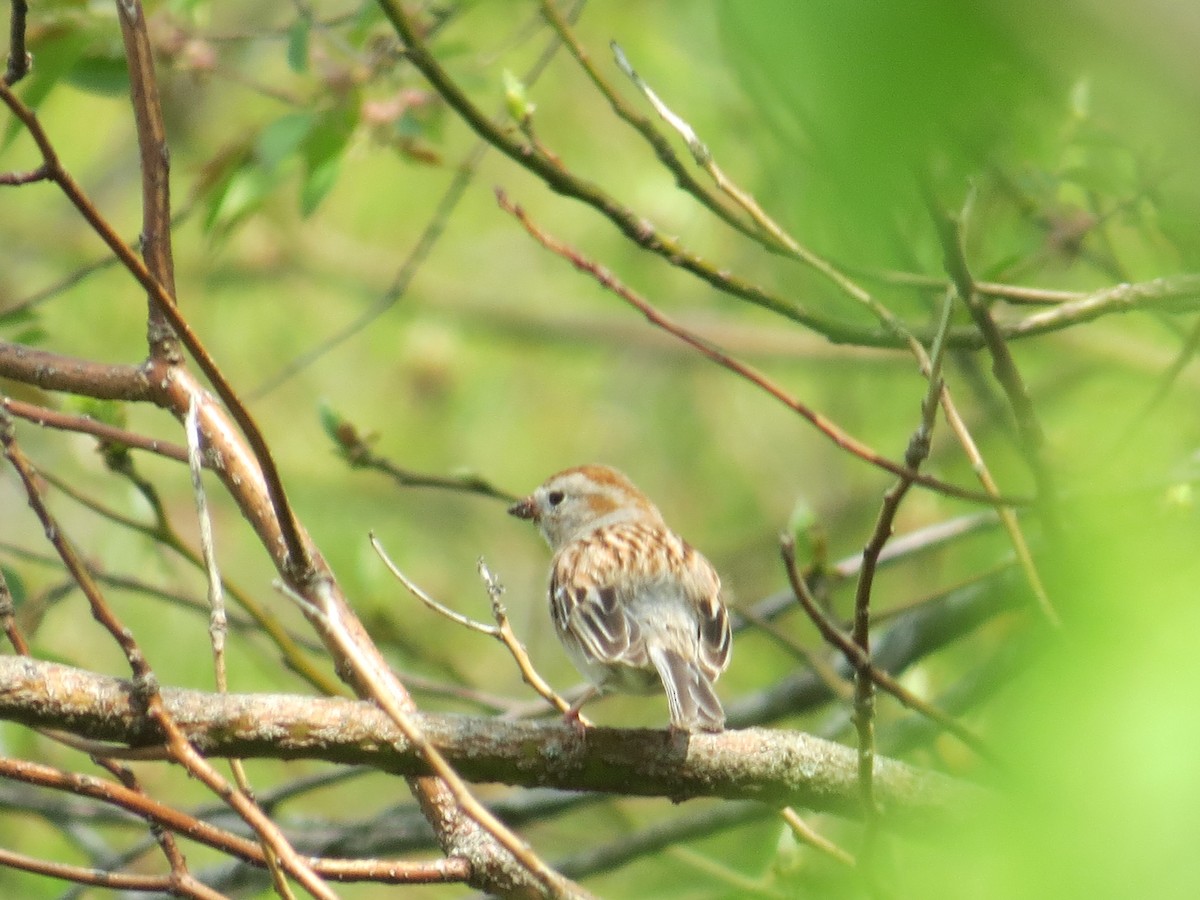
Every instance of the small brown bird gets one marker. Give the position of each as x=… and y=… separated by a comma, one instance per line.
x=636, y=607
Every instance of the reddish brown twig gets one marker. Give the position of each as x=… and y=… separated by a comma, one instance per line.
x=53, y=418
x=822, y=424
x=167, y=817
x=298, y=559
x=181, y=750
x=857, y=659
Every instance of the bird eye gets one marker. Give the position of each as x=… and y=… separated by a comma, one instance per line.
x=555, y=497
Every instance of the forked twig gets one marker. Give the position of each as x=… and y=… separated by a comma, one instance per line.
x=858, y=660
x=374, y=683
x=501, y=631
x=181, y=750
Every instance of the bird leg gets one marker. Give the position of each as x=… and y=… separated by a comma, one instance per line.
x=572, y=716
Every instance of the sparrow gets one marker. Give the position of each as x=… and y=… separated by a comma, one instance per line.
x=637, y=608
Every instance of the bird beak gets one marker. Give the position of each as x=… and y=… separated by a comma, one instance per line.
x=524, y=509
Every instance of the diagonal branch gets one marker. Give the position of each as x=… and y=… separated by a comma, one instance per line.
x=298, y=560
x=824, y=425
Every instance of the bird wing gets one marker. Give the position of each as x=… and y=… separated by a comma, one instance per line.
x=599, y=585
x=591, y=615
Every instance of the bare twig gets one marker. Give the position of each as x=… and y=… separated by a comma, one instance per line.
x=355, y=448
x=19, y=59
x=53, y=418
x=508, y=637
x=162, y=837
x=780, y=240
x=660, y=145
x=298, y=560
x=1005, y=370
x=838, y=686
x=1178, y=293
x=859, y=660
x=154, y=157
x=147, y=688
x=218, y=626
x=1010, y=293
x=501, y=631
x=824, y=425
x=15, y=179
x=376, y=684
x=864, y=683
x=197, y=829
x=172, y=883
x=808, y=835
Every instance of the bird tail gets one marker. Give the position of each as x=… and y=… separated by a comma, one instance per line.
x=690, y=695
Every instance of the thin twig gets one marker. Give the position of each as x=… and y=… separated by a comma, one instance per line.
x=864, y=682
x=16, y=179
x=501, y=631
x=1009, y=293
x=780, y=239
x=372, y=682
x=171, y=883
x=53, y=418
x=197, y=828
x=1004, y=368
x=155, y=162
x=504, y=631
x=660, y=145
x=218, y=627
x=808, y=835
x=609, y=281
x=298, y=561
x=355, y=448
x=164, y=838
x=19, y=59
x=857, y=659
x=464, y=174
x=146, y=682
x=837, y=685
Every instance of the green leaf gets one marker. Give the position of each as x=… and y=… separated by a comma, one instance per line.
x=331, y=421
x=20, y=315
x=16, y=584
x=241, y=194
x=31, y=336
x=323, y=149
x=297, y=47
x=318, y=181
x=283, y=138
x=105, y=75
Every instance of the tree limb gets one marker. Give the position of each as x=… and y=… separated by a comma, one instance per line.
x=772, y=766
